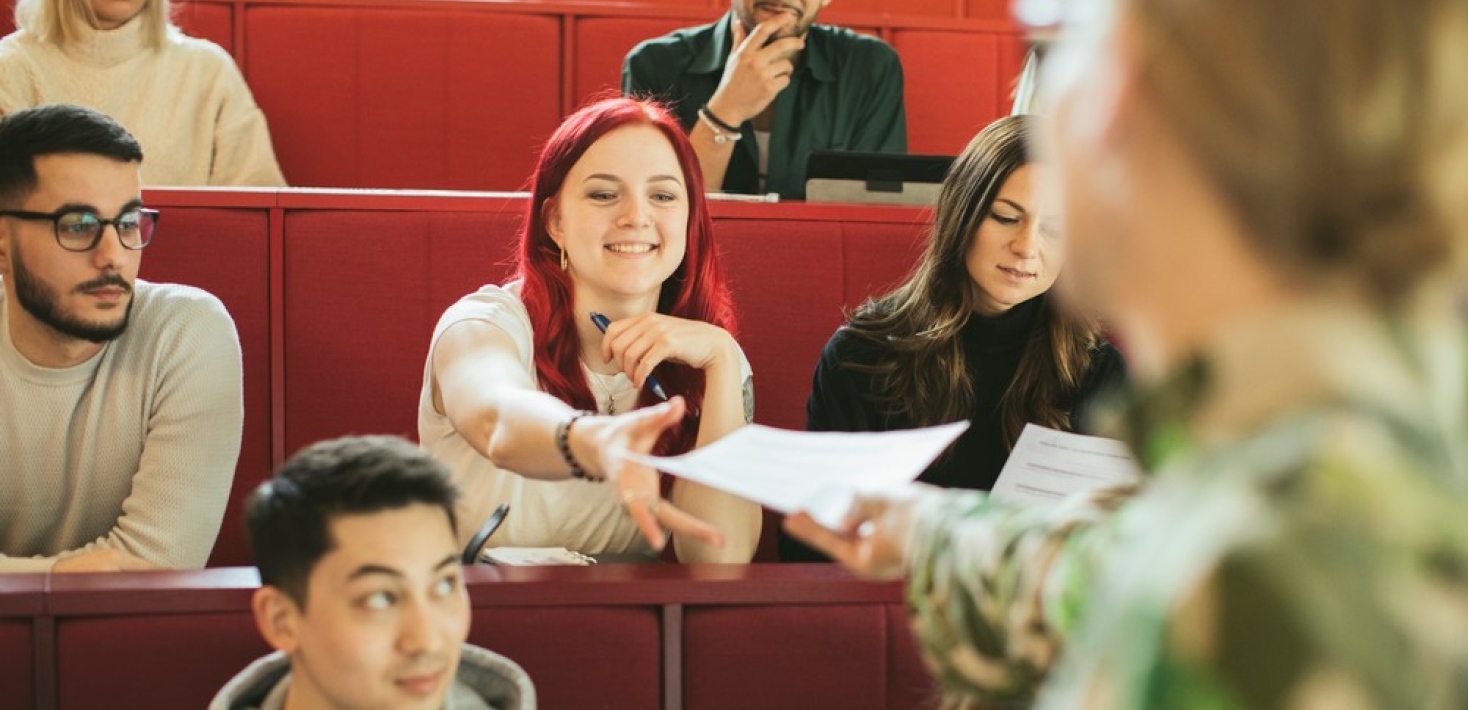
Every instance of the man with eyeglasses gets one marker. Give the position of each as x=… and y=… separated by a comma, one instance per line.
x=120, y=400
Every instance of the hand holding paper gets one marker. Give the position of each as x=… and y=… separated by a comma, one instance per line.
x=820, y=472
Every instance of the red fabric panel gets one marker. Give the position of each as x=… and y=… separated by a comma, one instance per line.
x=603, y=42
x=7, y=18
x=17, y=663
x=786, y=315
x=362, y=294
x=445, y=98
x=787, y=288
x=898, y=7
x=878, y=257
x=990, y=9
x=206, y=20
x=1012, y=50
x=162, y=661
x=953, y=87
x=226, y=252
x=909, y=684
x=579, y=657
x=785, y=657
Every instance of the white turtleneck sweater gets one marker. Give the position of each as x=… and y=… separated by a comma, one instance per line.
x=133, y=449
x=187, y=103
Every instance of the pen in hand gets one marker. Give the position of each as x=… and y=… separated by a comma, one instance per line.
x=657, y=387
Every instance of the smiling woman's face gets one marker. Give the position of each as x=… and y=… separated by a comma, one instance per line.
x=622, y=215
x=1018, y=250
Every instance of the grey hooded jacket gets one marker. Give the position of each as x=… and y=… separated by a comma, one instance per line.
x=485, y=681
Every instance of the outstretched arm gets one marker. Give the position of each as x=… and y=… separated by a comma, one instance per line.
x=480, y=385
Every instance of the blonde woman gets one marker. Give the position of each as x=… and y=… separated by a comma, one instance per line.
x=182, y=97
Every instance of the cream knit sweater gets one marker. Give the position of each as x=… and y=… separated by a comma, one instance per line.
x=187, y=103
x=133, y=449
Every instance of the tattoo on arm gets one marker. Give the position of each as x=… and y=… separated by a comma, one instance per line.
x=749, y=399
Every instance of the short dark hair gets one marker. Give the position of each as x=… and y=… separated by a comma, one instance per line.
x=288, y=518
x=51, y=130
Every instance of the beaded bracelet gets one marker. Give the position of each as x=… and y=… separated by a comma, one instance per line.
x=563, y=444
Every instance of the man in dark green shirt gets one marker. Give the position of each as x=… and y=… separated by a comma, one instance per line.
x=763, y=86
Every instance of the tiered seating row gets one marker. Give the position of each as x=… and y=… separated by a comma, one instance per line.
x=335, y=295
x=617, y=637
x=439, y=94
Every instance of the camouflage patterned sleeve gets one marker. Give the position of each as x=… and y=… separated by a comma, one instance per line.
x=994, y=590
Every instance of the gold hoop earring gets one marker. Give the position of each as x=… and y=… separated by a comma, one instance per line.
x=564, y=263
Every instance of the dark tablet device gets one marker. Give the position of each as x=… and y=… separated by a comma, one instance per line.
x=879, y=178
x=471, y=551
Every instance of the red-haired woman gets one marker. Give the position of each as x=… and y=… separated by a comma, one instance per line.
x=529, y=403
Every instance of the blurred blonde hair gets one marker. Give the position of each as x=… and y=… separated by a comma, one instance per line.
x=1338, y=129
x=63, y=21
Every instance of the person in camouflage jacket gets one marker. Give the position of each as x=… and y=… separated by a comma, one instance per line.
x=1276, y=235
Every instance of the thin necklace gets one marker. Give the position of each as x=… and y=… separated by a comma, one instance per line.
x=595, y=378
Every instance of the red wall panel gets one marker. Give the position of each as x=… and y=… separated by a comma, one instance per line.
x=397, y=98
x=953, y=87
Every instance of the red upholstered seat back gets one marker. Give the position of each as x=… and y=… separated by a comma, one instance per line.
x=785, y=276
x=792, y=282
x=878, y=668
x=363, y=291
x=21, y=599
x=206, y=20
x=603, y=42
x=940, y=8
x=989, y=9
x=226, y=252
x=17, y=665
x=185, y=658
x=613, y=653
x=952, y=88
x=398, y=98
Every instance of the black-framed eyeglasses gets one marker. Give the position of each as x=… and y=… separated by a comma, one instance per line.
x=80, y=230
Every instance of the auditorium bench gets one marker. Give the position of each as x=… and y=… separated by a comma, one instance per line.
x=335, y=295
x=633, y=637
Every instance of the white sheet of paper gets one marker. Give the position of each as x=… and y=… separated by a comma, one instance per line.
x=1047, y=465
x=534, y=556
x=818, y=472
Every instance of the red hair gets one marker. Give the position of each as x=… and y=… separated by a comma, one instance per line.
x=697, y=290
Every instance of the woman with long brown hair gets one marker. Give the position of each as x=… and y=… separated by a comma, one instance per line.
x=972, y=334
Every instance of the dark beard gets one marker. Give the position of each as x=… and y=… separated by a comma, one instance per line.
x=40, y=301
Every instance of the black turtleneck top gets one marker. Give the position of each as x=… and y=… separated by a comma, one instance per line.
x=992, y=348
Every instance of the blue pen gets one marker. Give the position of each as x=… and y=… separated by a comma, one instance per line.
x=601, y=325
